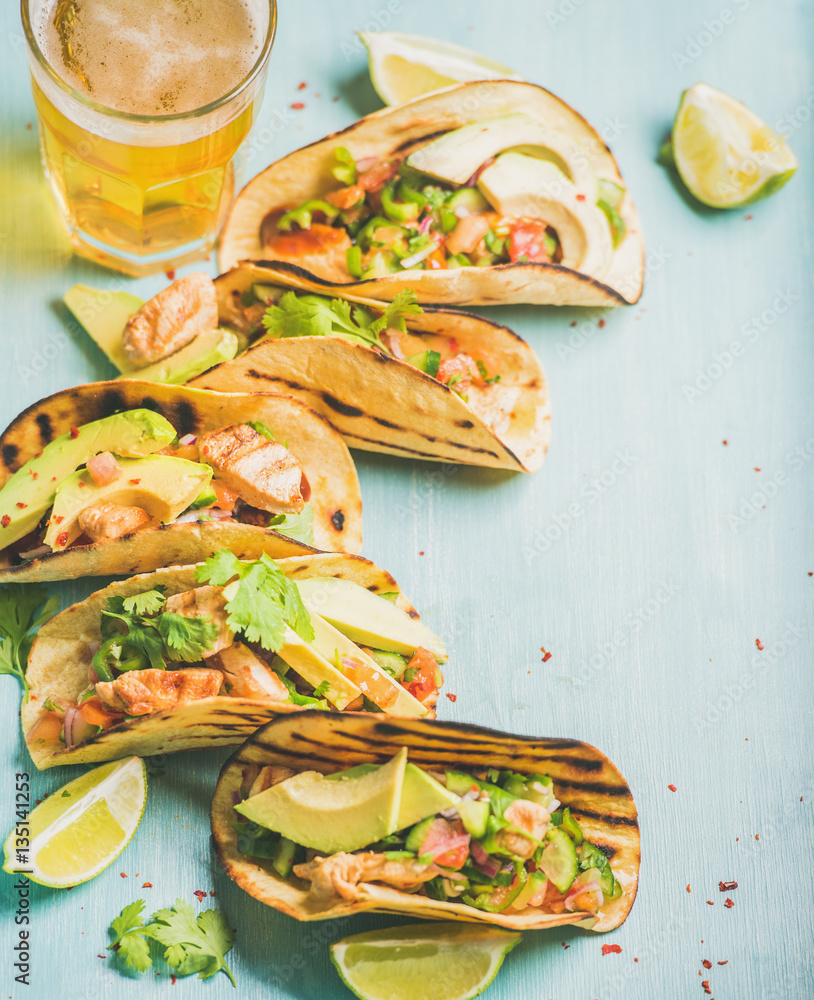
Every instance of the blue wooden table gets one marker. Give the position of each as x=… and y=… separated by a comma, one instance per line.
x=669, y=529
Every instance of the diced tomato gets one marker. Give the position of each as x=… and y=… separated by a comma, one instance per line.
x=47, y=727
x=462, y=366
x=448, y=844
x=300, y=242
x=346, y=197
x=93, y=713
x=378, y=175
x=427, y=678
x=104, y=469
x=370, y=681
x=226, y=499
x=527, y=239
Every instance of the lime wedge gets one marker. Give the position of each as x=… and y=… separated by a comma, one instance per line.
x=725, y=154
x=82, y=827
x=403, y=67
x=438, y=961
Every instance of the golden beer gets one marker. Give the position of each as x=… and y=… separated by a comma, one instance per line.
x=142, y=107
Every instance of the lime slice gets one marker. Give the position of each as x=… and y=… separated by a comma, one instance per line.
x=403, y=67
x=726, y=155
x=82, y=827
x=438, y=961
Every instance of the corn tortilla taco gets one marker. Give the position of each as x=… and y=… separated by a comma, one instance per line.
x=481, y=193
x=427, y=819
x=126, y=476
x=189, y=657
x=436, y=384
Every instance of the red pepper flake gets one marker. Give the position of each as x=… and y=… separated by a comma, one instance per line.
x=601, y=324
x=688, y=887
x=53, y=479
x=546, y=655
x=135, y=482
x=59, y=518
x=672, y=788
x=746, y=218
x=757, y=836
x=122, y=875
x=635, y=960
x=170, y=275
x=34, y=475
x=811, y=574
x=756, y=468
x=146, y=885
x=724, y=963
x=21, y=505
x=580, y=197
x=62, y=539
x=82, y=485
x=706, y=963
x=725, y=441
x=29, y=125
x=705, y=984
x=759, y=644
x=727, y=886
x=709, y=903
x=173, y=980
x=5, y=520
x=74, y=432
x=611, y=949
x=421, y=553
x=302, y=86
x=564, y=944
x=200, y=895
x=101, y=956
x=452, y=697
x=297, y=106
x=573, y=322
x=336, y=98
x=728, y=903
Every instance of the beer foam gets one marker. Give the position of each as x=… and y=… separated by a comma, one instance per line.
x=153, y=57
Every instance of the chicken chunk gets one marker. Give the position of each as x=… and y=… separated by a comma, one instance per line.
x=340, y=874
x=262, y=472
x=468, y=233
x=102, y=522
x=142, y=692
x=248, y=676
x=528, y=816
x=494, y=404
x=268, y=776
x=204, y=602
x=171, y=319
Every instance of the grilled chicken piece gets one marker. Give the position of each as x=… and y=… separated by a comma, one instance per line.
x=204, y=602
x=142, y=692
x=525, y=815
x=260, y=471
x=171, y=319
x=268, y=776
x=494, y=404
x=470, y=230
x=248, y=675
x=340, y=874
x=102, y=522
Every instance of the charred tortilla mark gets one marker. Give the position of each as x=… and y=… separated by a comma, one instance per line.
x=595, y=787
x=466, y=424
x=344, y=408
x=261, y=376
x=291, y=384
x=608, y=818
x=46, y=428
x=388, y=423
x=338, y=520
x=111, y=402
x=421, y=138
x=10, y=453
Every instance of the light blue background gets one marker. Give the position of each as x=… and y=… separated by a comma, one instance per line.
x=645, y=589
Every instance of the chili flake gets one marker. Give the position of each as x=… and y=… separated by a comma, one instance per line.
x=200, y=895
x=146, y=885
x=611, y=949
x=302, y=86
x=727, y=886
x=74, y=432
x=688, y=888
x=573, y=322
x=59, y=518
x=724, y=963
x=580, y=197
x=725, y=441
x=421, y=553
x=122, y=875
x=170, y=275
x=62, y=539
x=135, y=482
x=34, y=475
x=564, y=944
x=601, y=324
x=297, y=106
x=759, y=644
x=173, y=980
x=709, y=903
x=101, y=956
x=452, y=697
x=728, y=903
x=5, y=520
x=705, y=984
x=706, y=963
x=546, y=655
x=672, y=788
x=21, y=505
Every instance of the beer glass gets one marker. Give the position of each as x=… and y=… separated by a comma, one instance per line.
x=142, y=170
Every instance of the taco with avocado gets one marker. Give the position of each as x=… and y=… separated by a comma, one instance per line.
x=324, y=816
x=201, y=656
x=436, y=384
x=481, y=193
x=123, y=477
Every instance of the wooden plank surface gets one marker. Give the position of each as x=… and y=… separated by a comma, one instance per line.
x=647, y=555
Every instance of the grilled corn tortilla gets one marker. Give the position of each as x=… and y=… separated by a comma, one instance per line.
x=584, y=780
x=307, y=174
x=379, y=403
x=61, y=655
x=325, y=459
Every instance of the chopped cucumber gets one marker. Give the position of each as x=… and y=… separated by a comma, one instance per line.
x=394, y=664
x=460, y=783
x=459, y=260
x=268, y=294
x=535, y=883
x=416, y=836
x=611, y=193
x=427, y=361
x=474, y=816
x=571, y=827
x=559, y=859
x=469, y=198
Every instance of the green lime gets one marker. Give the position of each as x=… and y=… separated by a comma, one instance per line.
x=428, y=961
x=725, y=154
x=82, y=827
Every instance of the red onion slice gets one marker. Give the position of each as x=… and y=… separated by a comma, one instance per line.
x=188, y=439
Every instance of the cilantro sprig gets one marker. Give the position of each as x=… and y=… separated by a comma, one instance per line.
x=137, y=634
x=23, y=609
x=191, y=944
x=316, y=316
x=260, y=599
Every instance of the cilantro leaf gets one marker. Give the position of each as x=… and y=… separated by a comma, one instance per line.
x=130, y=941
x=260, y=427
x=186, y=639
x=148, y=603
x=304, y=700
x=260, y=598
x=345, y=169
x=300, y=526
x=128, y=920
x=193, y=944
x=322, y=689
x=146, y=640
x=23, y=609
x=393, y=317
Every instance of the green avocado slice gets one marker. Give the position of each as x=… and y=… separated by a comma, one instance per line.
x=160, y=484
x=208, y=349
x=332, y=816
x=104, y=315
x=30, y=491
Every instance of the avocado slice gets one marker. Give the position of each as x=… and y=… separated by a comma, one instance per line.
x=161, y=485
x=104, y=316
x=366, y=618
x=30, y=491
x=421, y=795
x=208, y=349
x=520, y=186
x=315, y=669
x=456, y=156
x=330, y=643
x=329, y=815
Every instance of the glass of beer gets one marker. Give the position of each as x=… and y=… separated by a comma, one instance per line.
x=142, y=107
